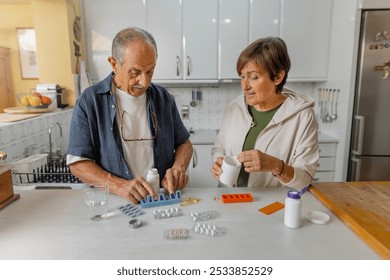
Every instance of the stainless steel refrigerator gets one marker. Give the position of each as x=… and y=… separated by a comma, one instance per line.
x=370, y=139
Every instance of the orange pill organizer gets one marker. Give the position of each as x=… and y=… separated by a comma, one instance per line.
x=239, y=197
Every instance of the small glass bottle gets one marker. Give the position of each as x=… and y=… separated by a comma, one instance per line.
x=153, y=179
x=293, y=210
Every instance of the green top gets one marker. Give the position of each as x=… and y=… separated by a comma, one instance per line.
x=259, y=121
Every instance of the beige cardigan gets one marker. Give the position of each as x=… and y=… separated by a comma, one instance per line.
x=291, y=136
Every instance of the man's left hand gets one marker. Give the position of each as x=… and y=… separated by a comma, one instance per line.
x=175, y=179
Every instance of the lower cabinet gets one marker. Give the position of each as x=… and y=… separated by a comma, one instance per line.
x=326, y=165
x=199, y=169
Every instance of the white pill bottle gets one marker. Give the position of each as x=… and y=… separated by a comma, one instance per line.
x=153, y=179
x=293, y=210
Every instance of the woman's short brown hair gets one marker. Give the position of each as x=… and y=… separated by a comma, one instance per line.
x=269, y=53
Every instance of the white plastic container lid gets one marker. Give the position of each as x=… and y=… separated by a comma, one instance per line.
x=317, y=217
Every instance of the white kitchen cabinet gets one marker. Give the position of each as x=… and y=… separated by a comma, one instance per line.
x=164, y=20
x=200, y=39
x=199, y=168
x=305, y=27
x=233, y=35
x=102, y=21
x=187, y=38
x=264, y=19
x=326, y=165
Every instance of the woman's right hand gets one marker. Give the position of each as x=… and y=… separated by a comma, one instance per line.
x=216, y=169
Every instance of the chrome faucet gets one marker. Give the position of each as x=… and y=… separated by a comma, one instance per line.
x=50, y=143
x=3, y=156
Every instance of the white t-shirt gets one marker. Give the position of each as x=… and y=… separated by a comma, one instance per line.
x=132, y=120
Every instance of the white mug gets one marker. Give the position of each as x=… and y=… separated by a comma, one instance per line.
x=230, y=170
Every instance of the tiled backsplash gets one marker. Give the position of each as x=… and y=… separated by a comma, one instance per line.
x=209, y=112
x=31, y=136
x=23, y=138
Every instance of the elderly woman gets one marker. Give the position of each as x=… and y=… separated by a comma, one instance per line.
x=272, y=132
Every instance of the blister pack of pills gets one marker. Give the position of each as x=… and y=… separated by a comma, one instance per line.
x=131, y=210
x=209, y=230
x=167, y=213
x=203, y=216
x=179, y=233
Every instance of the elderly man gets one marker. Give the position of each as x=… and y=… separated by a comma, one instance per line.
x=125, y=125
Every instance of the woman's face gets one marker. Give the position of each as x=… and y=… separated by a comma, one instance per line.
x=135, y=73
x=258, y=88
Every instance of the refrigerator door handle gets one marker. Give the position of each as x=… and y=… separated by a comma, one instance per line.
x=359, y=138
x=357, y=163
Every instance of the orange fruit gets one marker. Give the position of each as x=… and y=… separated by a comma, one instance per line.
x=37, y=94
x=45, y=100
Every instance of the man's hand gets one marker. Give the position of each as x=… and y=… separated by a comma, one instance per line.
x=136, y=190
x=175, y=179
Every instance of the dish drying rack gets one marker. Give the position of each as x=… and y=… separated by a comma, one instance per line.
x=52, y=172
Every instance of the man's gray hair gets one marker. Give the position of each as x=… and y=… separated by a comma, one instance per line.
x=127, y=35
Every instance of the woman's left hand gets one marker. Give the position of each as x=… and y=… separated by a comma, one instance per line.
x=256, y=161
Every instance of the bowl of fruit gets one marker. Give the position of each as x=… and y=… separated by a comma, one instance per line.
x=34, y=100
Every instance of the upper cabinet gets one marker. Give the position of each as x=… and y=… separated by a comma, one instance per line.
x=200, y=40
x=102, y=21
x=305, y=27
x=264, y=19
x=233, y=35
x=164, y=20
x=187, y=38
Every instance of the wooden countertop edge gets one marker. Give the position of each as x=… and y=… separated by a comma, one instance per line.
x=9, y=200
x=382, y=250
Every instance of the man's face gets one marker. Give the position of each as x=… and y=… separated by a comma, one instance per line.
x=135, y=73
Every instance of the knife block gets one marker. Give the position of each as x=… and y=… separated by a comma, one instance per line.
x=7, y=195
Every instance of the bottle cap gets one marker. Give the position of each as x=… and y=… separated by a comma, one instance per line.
x=294, y=194
x=135, y=223
x=153, y=171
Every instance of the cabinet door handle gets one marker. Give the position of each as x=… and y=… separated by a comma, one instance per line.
x=188, y=66
x=194, y=159
x=177, y=66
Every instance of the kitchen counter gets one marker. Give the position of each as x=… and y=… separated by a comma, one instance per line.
x=203, y=137
x=362, y=206
x=53, y=224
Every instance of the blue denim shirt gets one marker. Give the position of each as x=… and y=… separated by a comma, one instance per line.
x=94, y=132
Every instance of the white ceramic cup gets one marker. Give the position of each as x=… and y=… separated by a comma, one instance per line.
x=95, y=197
x=230, y=171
